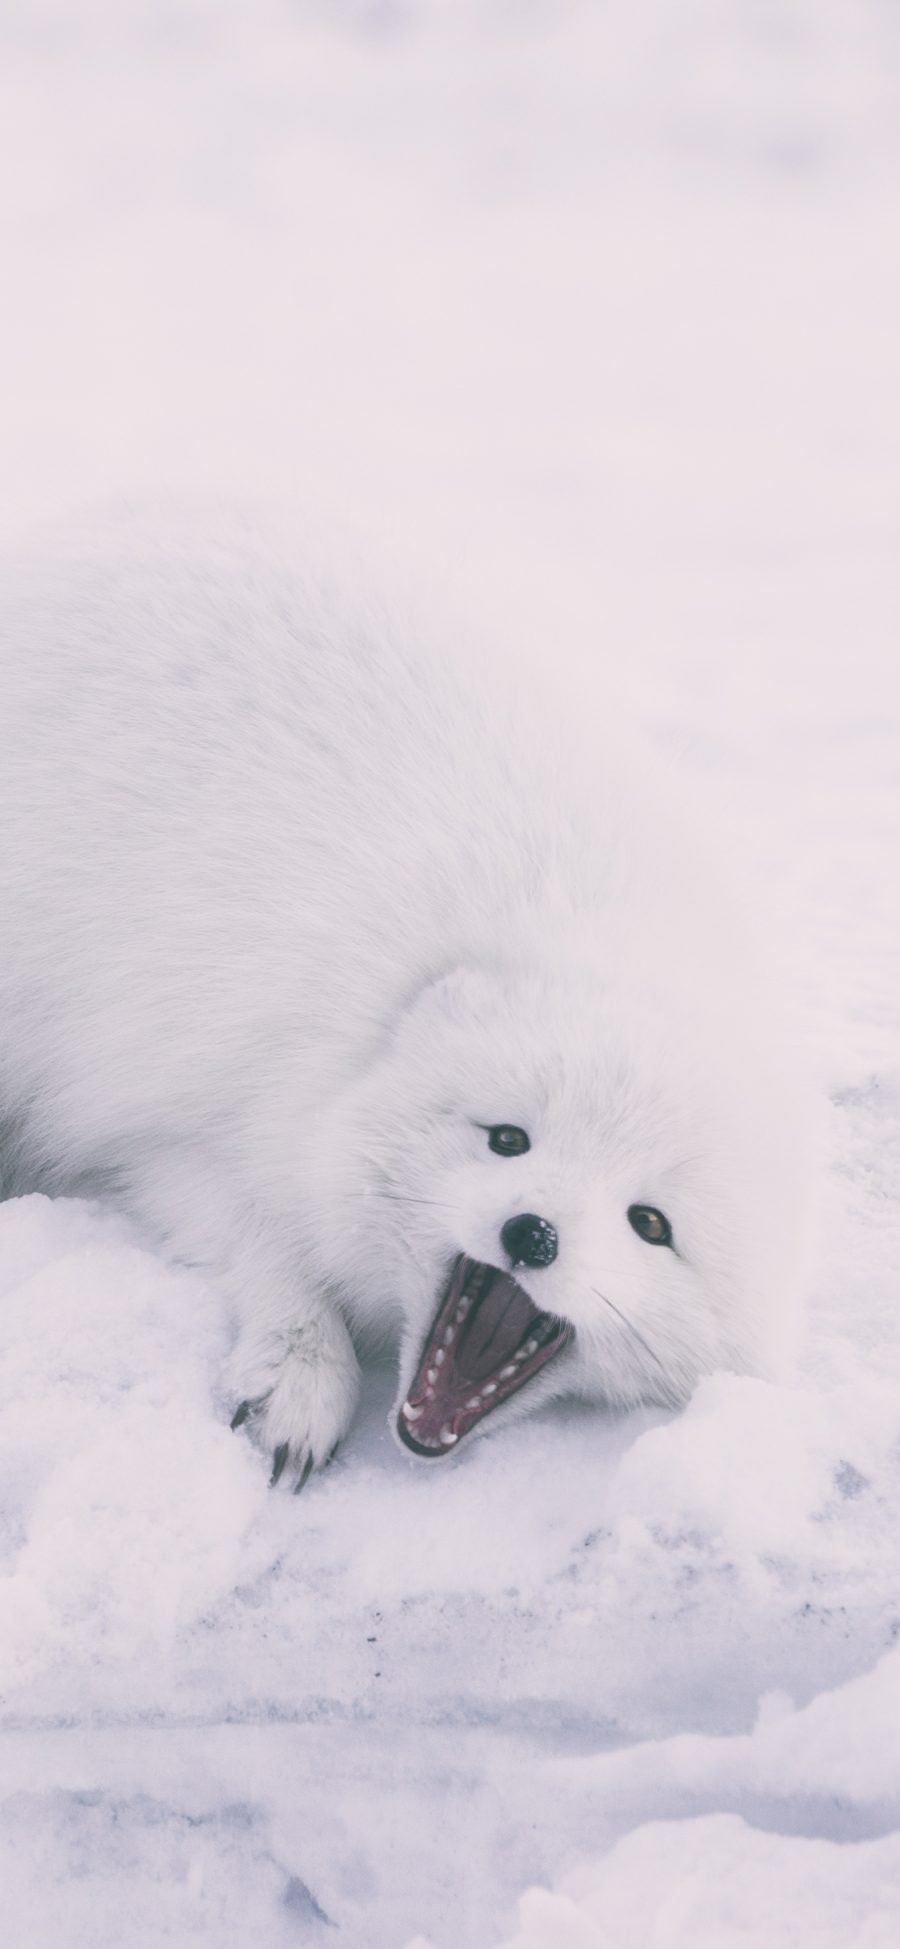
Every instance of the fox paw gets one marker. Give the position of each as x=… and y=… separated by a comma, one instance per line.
x=299, y=1396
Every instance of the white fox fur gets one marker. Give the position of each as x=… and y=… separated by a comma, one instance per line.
x=293, y=904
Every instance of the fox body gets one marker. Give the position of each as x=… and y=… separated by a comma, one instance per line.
x=298, y=911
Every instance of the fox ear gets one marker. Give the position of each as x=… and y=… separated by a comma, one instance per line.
x=462, y=994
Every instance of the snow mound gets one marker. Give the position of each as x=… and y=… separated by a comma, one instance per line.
x=719, y=1884
x=124, y=1501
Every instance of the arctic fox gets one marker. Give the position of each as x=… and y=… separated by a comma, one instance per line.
x=394, y=988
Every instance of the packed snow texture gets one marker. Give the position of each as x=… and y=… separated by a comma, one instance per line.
x=588, y=313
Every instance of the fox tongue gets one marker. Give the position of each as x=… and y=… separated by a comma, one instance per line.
x=487, y=1341
x=493, y=1333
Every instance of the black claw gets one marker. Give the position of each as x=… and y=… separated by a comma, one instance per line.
x=278, y=1462
x=240, y=1414
x=303, y=1475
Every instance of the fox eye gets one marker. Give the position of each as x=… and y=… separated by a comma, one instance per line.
x=651, y=1225
x=508, y=1140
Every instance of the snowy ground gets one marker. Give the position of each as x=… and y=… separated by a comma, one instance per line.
x=590, y=312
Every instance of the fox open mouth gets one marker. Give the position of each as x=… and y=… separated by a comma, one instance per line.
x=488, y=1341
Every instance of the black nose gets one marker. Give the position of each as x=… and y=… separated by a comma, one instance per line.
x=530, y=1240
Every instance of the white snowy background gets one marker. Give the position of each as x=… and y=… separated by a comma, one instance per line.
x=590, y=313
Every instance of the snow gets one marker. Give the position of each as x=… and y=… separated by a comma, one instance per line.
x=722, y=1885
x=591, y=313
